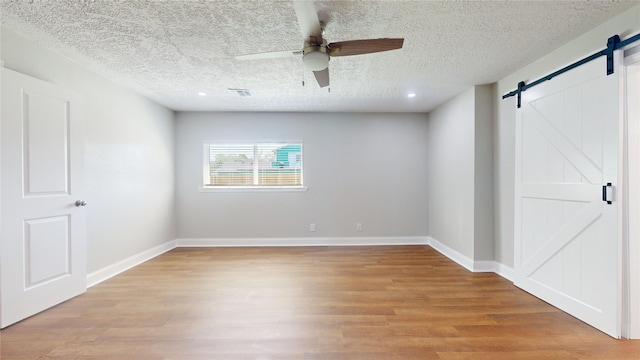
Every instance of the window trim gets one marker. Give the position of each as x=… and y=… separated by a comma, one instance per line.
x=257, y=188
x=247, y=188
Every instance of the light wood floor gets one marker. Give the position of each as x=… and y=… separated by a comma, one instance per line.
x=404, y=302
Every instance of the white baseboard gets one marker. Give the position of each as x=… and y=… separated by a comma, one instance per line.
x=121, y=266
x=494, y=267
x=470, y=264
x=452, y=254
x=110, y=271
x=504, y=271
x=484, y=266
x=306, y=241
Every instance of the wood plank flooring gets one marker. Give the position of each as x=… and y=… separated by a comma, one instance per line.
x=400, y=302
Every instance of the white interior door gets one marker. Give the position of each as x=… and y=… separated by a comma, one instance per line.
x=566, y=236
x=42, y=231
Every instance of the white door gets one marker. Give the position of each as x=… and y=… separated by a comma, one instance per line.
x=42, y=231
x=566, y=236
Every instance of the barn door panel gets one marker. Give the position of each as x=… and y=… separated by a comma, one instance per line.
x=566, y=237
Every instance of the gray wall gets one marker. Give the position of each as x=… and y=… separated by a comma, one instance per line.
x=128, y=150
x=483, y=171
x=451, y=157
x=460, y=162
x=360, y=168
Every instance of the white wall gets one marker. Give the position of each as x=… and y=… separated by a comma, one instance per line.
x=360, y=168
x=633, y=117
x=504, y=127
x=460, y=162
x=129, y=165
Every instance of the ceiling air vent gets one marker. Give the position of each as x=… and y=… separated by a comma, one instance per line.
x=241, y=92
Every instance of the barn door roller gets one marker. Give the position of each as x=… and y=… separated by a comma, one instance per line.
x=613, y=43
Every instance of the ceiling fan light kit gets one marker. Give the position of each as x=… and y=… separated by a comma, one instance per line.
x=315, y=57
x=316, y=52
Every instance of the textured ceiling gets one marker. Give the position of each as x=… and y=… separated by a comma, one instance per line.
x=169, y=51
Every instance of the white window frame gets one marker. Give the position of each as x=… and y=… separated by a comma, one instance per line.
x=248, y=188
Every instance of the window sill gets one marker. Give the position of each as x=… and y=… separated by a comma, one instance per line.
x=253, y=189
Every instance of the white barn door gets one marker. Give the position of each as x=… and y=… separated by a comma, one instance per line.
x=566, y=231
x=42, y=229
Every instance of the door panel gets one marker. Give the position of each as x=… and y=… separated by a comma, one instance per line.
x=566, y=237
x=42, y=232
x=46, y=144
x=47, y=244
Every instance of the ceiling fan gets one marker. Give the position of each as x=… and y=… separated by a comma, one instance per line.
x=316, y=51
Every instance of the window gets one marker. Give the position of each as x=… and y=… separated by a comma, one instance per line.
x=262, y=165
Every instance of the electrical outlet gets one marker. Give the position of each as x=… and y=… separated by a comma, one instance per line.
x=312, y=227
x=358, y=227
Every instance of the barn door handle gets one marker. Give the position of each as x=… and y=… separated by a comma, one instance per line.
x=605, y=193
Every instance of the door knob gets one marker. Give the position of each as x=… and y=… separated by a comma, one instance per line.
x=81, y=203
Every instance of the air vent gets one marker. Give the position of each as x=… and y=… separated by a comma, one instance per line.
x=241, y=92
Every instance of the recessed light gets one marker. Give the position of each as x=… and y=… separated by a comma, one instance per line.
x=411, y=95
x=202, y=93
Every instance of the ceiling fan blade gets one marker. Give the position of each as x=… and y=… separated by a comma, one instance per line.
x=358, y=47
x=270, y=55
x=308, y=20
x=322, y=77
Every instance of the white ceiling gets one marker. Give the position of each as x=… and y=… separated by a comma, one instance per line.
x=170, y=50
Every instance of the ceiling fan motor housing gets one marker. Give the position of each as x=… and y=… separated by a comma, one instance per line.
x=315, y=56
